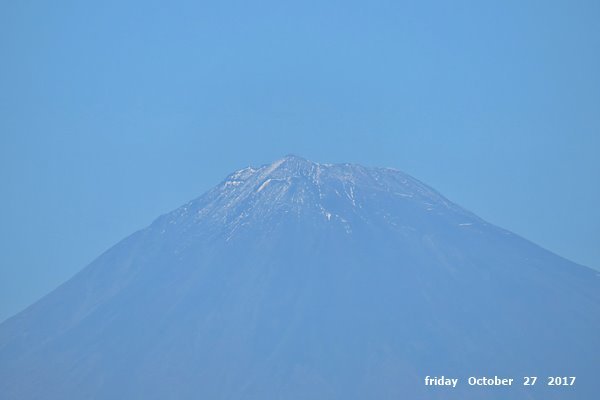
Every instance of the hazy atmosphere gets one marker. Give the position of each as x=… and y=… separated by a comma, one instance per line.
x=112, y=114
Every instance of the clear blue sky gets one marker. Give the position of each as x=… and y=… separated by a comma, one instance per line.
x=114, y=112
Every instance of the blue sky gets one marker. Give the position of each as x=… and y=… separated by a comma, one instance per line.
x=114, y=112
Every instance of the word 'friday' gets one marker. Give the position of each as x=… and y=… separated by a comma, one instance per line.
x=441, y=381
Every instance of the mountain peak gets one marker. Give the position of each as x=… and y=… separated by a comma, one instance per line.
x=294, y=188
x=295, y=158
x=290, y=165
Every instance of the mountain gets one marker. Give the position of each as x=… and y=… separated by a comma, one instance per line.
x=299, y=280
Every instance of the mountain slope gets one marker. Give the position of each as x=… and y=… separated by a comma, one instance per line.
x=300, y=280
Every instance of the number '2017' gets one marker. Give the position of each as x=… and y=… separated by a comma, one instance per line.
x=561, y=380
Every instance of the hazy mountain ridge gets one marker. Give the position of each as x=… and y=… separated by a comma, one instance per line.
x=305, y=280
